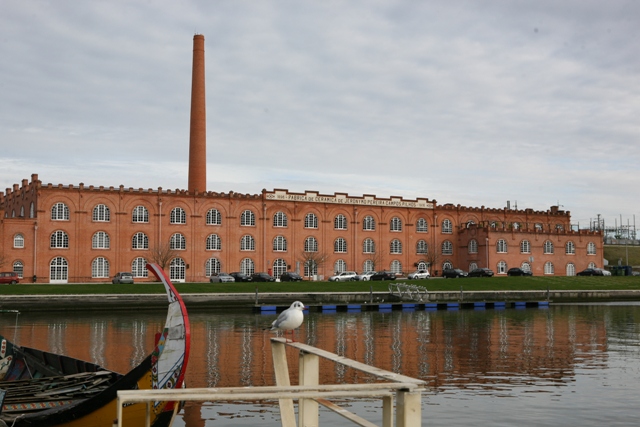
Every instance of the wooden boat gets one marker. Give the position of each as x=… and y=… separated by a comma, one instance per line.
x=43, y=389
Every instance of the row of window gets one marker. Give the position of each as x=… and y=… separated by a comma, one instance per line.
x=525, y=247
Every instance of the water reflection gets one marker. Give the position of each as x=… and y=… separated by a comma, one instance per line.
x=478, y=353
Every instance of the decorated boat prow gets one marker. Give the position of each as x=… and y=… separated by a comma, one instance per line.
x=39, y=388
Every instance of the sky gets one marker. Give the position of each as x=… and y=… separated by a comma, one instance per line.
x=467, y=102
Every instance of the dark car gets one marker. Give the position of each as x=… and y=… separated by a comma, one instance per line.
x=590, y=272
x=515, y=271
x=481, y=272
x=240, y=277
x=122, y=277
x=383, y=275
x=262, y=277
x=289, y=276
x=453, y=273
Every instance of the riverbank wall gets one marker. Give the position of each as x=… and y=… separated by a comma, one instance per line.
x=315, y=300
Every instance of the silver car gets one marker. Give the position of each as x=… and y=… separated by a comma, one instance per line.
x=420, y=274
x=345, y=276
x=221, y=278
x=122, y=277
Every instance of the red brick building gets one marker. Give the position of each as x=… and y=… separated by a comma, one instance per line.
x=58, y=234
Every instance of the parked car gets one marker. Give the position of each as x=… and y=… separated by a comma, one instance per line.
x=9, y=277
x=453, y=273
x=420, y=274
x=383, y=275
x=515, y=271
x=604, y=272
x=481, y=272
x=240, y=277
x=365, y=276
x=590, y=272
x=122, y=277
x=290, y=276
x=221, y=278
x=262, y=277
x=345, y=276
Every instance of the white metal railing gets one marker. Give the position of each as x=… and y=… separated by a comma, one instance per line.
x=409, y=291
x=406, y=391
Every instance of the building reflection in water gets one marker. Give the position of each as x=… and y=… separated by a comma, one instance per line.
x=474, y=348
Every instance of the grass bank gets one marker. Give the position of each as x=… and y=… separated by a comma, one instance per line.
x=471, y=284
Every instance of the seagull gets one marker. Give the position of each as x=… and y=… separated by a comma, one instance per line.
x=289, y=319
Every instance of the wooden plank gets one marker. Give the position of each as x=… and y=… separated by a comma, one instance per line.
x=308, y=415
x=408, y=409
x=346, y=414
x=281, y=370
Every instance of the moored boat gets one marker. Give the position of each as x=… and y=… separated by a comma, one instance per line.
x=39, y=388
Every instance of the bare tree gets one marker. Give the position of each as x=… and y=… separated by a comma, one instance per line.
x=2, y=261
x=432, y=258
x=376, y=259
x=313, y=260
x=162, y=254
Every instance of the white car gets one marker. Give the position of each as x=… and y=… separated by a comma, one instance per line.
x=365, y=276
x=420, y=274
x=345, y=276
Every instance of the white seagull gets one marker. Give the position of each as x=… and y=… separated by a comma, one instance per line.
x=289, y=319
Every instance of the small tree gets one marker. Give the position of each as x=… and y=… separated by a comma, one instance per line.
x=313, y=260
x=162, y=254
x=432, y=257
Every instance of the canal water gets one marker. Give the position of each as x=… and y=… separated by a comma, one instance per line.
x=565, y=365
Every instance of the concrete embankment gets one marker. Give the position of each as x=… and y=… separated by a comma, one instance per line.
x=251, y=300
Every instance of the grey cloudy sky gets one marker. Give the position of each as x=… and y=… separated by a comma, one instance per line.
x=465, y=102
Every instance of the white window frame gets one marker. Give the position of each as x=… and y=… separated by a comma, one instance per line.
x=247, y=243
x=340, y=245
x=340, y=222
x=178, y=242
x=311, y=220
x=100, y=240
x=140, y=241
x=247, y=219
x=18, y=241
x=101, y=213
x=395, y=224
x=214, y=217
x=178, y=216
x=422, y=226
x=214, y=243
x=59, y=212
x=368, y=223
x=140, y=214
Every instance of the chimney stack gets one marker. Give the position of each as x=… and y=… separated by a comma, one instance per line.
x=198, y=128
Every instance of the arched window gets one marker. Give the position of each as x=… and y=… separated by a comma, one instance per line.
x=447, y=227
x=32, y=210
x=58, y=270
x=140, y=214
x=473, y=246
x=101, y=213
x=139, y=267
x=525, y=247
x=368, y=223
x=248, y=218
x=421, y=247
x=395, y=224
x=502, y=267
x=280, y=219
x=100, y=268
x=140, y=241
x=247, y=267
x=21, y=211
x=280, y=244
x=212, y=266
x=310, y=244
x=591, y=248
x=395, y=247
x=447, y=248
x=548, y=247
x=177, y=270
x=340, y=222
x=339, y=266
x=422, y=226
x=178, y=242
x=559, y=227
x=592, y=265
x=59, y=240
x=472, y=266
x=396, y=267
x=18, y=241
x=178, y=216
x=18, y=268
x=214, y=217
x=279, y=267
x=247, y=243
x=422, y=266
x=570, y=248
x=368, y=265
x=525, y=266
x=571, y=269
x=59, y=212
x=516, y=226
x=447, y=265
x=100, y=240
x=538, y=226
x=501, y=246
x=368, y=246
x=310, y=268
x=214, y=243
x=548, y=268
x=340, y=245
x=310, y=220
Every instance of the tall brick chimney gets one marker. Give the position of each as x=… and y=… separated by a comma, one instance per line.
x=198, y=128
